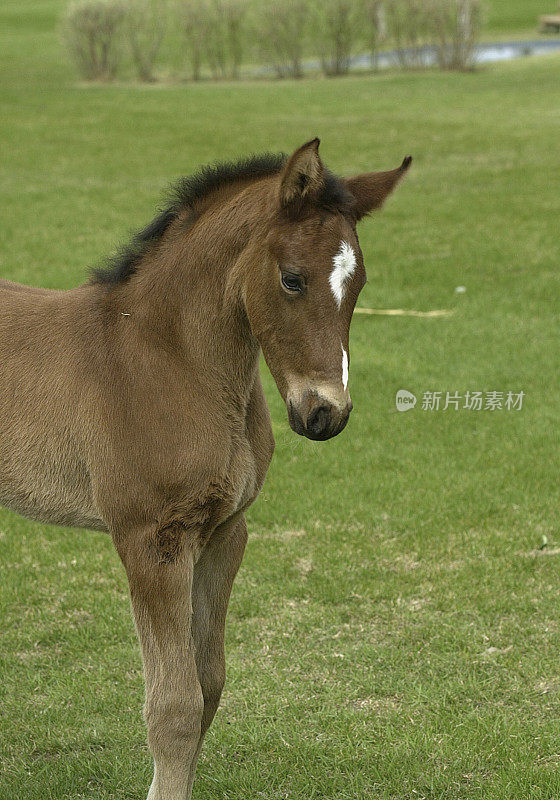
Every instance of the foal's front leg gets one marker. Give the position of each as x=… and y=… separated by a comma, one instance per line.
x=214, y=574
x=160, y=566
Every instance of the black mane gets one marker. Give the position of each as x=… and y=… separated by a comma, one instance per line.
x=189, y=190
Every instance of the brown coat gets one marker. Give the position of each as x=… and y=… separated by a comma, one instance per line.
x=133, y=403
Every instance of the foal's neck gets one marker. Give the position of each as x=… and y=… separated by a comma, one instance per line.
x=187, y=293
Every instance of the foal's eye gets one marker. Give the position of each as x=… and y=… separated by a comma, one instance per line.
x=292, y=283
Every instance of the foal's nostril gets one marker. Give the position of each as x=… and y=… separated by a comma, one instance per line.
x=319, y=420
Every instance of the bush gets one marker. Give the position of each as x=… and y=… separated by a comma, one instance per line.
x=145, y=27
x=411, y=24
x=448, y=29
x=337, y=29
x=456, y=29
x=215, y=35
x=93, y=32
x=194, y=25
x=375, y=26
x=234, y=12
x=214, y=38
x=281, y=29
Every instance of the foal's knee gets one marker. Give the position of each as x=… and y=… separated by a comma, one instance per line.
x=174, y=725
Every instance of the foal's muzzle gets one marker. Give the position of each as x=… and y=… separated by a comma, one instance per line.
x=316, y=417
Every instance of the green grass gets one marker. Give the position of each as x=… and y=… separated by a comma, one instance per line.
x=516, y=15
x=394, y=631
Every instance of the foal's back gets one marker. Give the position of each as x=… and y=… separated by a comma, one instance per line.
x=10, y=286
x=43, y=470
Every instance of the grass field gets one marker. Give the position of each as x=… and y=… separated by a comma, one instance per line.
x=516, y=15
x=394, y=631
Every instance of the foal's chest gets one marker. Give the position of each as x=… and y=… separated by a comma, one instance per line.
x=236, y=485
x=192, y=472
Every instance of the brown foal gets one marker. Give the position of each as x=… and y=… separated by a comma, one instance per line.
x=133, y=404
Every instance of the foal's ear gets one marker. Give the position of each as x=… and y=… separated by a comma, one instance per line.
x=303, y=175
x=372, y=188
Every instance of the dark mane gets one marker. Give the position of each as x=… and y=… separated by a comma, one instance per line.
x=189, y=190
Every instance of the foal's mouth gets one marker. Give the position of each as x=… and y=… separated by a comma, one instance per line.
x=322, y=423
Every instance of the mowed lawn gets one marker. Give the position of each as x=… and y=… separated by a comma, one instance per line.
x=394, y=632
x=517, y=16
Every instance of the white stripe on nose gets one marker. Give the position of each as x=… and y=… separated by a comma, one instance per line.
x=344, y=368
x=344, y=265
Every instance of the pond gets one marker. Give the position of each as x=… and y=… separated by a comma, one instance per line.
x=486, y=53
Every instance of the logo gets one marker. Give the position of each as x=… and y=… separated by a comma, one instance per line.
x=495, y=401
x=405, y=401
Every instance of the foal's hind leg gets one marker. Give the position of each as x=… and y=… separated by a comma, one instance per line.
x=160, y=566
x=214, y=574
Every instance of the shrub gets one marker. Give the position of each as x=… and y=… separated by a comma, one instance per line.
x=281, y=29
x=215, y=35
x=337, y=30
x=234, y=12
x=92, y=30
x=145, y=27
x=194, y=25
x=410, y=23
x=215, y=38
x=456, y=26
x=446, y=29
x=375, y=26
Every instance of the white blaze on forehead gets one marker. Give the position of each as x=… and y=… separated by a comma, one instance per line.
x=344, y=265
x=344, y=368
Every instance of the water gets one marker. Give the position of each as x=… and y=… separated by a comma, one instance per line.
x=504, y=51
x=487, y=53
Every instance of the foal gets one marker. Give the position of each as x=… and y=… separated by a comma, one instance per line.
x=133, y=404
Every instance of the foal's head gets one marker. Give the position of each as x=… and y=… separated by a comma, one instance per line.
x=303, y=286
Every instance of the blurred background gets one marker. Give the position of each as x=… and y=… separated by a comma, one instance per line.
x=196, y=39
